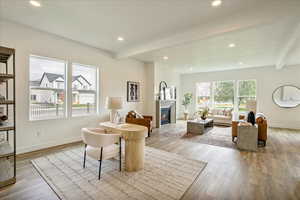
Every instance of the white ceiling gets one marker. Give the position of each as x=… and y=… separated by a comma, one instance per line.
x=190, y=32
x=255, y=47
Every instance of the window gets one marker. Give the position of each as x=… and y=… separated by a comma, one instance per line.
x=203, y=94
x=84, y=90
x=223, y=94
x=246, y=92
x=47, y=99
x=33, y=97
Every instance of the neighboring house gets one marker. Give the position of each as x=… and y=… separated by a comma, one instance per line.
x=49, y=88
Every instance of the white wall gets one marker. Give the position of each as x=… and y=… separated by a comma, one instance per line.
x=113, y=77
x=268, y=79
x=150, y=95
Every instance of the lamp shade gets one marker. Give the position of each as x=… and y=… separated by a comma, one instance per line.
x=114, y=103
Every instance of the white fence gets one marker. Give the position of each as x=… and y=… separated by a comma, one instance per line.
x=52, y=111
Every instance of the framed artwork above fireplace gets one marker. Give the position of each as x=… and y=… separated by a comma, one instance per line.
x=133, y=91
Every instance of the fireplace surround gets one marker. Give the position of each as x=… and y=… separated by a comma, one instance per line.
x=165, y=112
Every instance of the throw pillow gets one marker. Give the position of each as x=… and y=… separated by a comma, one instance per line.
x=138, y=115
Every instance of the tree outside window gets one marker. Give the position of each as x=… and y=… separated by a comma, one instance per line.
x=224, y=94
x=246, y=92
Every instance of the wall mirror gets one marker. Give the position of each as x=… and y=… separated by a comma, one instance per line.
x=287, y=96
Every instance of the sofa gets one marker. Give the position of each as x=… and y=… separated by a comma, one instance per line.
x=262, y=125
x=133, y=117
x=221, y=116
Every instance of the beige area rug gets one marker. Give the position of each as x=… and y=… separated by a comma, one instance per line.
x=217, y=136
x=165, y=176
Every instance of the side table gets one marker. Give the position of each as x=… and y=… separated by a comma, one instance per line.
x=247, y=137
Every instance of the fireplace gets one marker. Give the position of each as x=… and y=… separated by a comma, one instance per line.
x=165, y=117
x=165, y=112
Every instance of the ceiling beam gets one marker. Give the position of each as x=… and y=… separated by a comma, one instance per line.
x=288, y=47
x=235, y=22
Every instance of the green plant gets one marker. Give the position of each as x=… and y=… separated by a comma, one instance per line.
x=204, y=112
x=187, y=100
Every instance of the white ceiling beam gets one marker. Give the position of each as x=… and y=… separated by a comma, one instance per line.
x=288, y=47
x=237, y=22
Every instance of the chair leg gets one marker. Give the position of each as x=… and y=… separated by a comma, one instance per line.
x=148, y=133
x=100, y=163
x=84, y=155
x=120, y=161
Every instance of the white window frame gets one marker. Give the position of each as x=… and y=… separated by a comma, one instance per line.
x=64, y=116
x=214, y=88
x=210, y=97
x=236, y=93
x=97, y=94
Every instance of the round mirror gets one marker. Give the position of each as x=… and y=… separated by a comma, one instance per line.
x=287, y=96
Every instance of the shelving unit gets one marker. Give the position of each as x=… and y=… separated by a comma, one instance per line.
x=8, y=129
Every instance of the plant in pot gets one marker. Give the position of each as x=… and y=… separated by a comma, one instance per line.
x=204, y=112
x=187, y=100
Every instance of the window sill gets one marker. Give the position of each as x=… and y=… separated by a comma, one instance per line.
x=87, y=115
x=47, y=119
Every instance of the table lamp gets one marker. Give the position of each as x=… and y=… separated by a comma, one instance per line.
x=114, y=104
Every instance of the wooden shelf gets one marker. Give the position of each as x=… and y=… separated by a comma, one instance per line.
x=5, y=54
x=6, y=172
x=6, y=102
x=7, y=127
x=5, y=77
x=7, y=153
x=6, y=150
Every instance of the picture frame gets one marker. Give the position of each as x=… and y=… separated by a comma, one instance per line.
x=133, y=91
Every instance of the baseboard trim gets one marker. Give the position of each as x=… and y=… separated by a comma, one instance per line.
x=28, y=154
x=285, y=124
x=44, y=146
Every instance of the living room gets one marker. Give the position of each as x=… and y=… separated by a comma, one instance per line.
x=174, y=97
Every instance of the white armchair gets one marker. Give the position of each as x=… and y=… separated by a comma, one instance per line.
x=100, y=145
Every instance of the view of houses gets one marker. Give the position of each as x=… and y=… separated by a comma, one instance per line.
x=48, y=96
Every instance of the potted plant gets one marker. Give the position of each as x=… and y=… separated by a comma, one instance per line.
x=187, y=100
x=204, y=112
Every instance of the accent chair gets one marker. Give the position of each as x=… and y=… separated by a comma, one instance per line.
x=134, y=117
x=262, y=125
x=100, y=145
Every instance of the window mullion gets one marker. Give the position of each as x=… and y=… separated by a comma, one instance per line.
x=236, y=98
x=69, y=89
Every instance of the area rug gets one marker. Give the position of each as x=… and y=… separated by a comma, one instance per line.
x=217, y=136
x=165, y=176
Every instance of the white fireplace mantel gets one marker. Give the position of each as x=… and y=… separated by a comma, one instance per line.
x=165, y=104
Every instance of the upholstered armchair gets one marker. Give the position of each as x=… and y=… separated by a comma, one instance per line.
x=262, y=129
x=144, y=120
x=100, y=145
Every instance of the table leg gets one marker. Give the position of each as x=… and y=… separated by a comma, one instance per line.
x=134, y=154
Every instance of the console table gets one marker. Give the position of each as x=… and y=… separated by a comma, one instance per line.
x=134, y=136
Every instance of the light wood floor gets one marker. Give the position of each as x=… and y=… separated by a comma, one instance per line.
x=271, y=173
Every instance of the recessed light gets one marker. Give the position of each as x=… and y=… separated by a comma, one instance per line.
x=216, y=3
x=191, y=69
x=165, y=57
x=35, y=3
x=231, y=45
x=241, y=63
x=120, y=38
